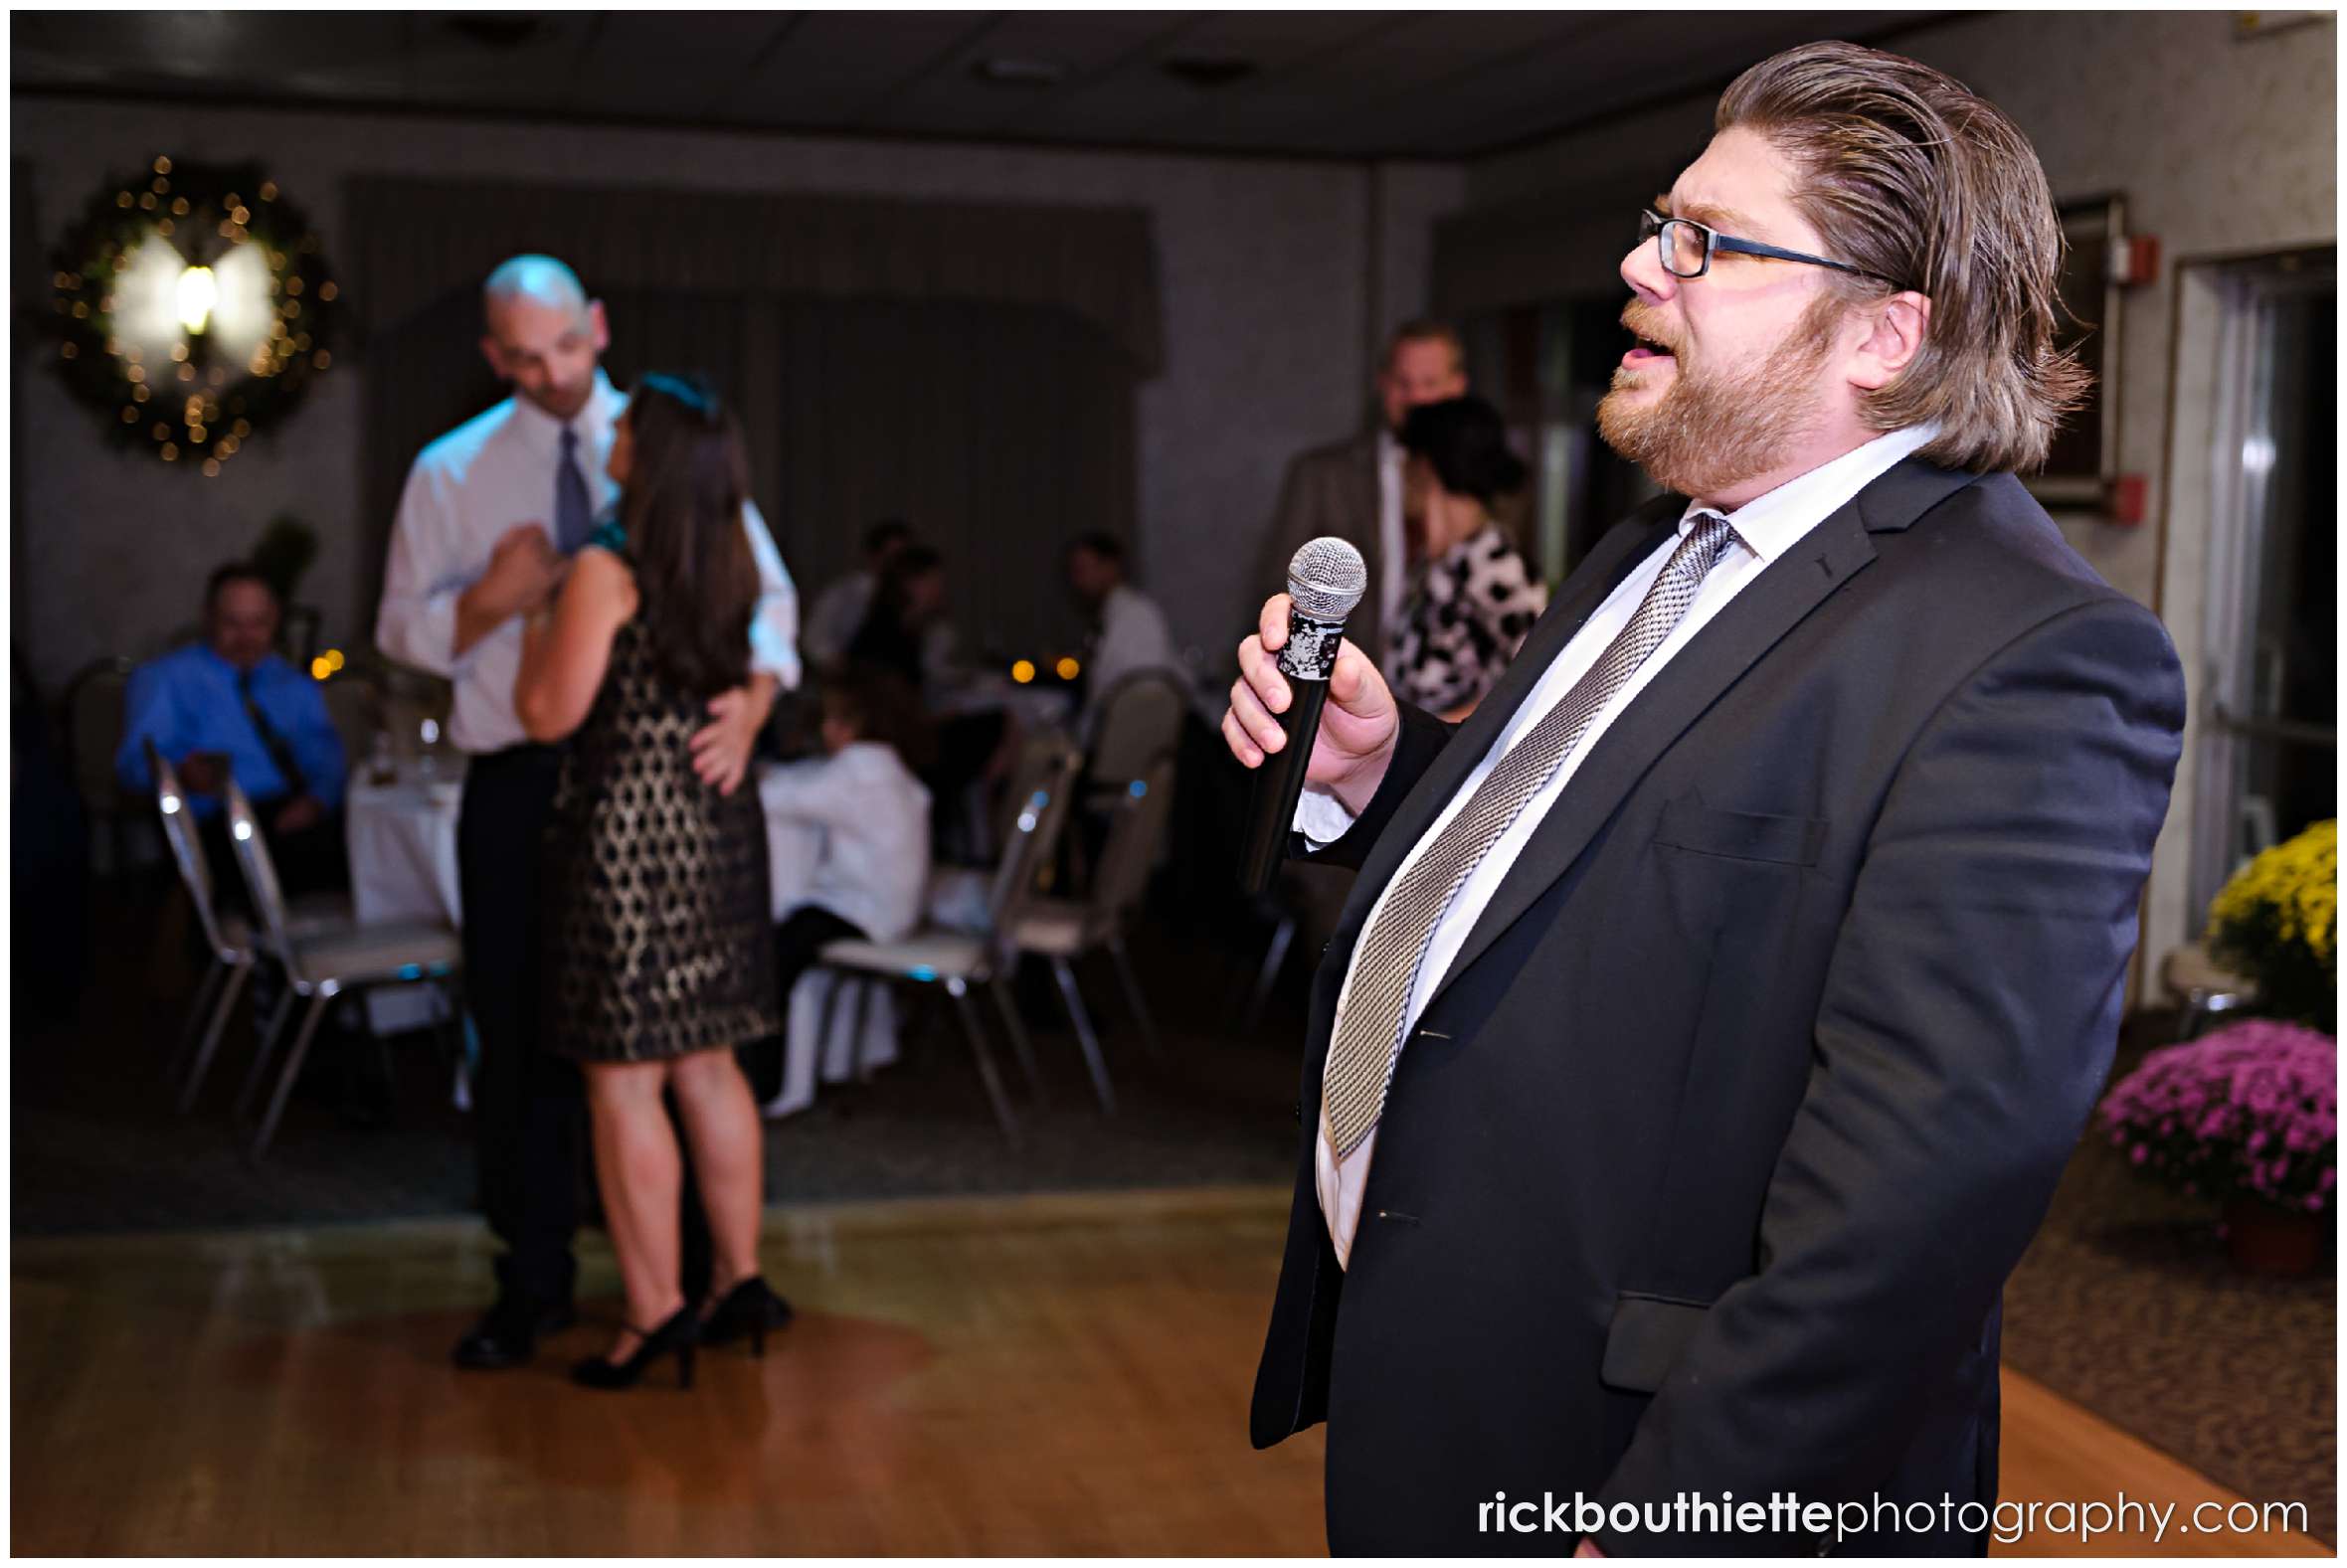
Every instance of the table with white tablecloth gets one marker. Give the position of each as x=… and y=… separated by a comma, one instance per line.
x=401, y=836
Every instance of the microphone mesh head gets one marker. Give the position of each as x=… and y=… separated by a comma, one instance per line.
x=1327, y=579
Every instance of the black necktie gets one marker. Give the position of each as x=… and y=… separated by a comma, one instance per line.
x=573, y=520
x=1377, y=987
x=278, y=751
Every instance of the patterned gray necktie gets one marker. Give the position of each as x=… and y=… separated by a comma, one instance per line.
x=1385, y=963
x=573, y=518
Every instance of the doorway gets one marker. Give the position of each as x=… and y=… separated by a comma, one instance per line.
x=2267, y=743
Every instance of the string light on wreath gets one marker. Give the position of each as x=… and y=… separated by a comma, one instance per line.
x=194, y=310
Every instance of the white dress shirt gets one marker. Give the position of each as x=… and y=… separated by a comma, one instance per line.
x=464, y=491
x=1393, y=549
x=874, y=867
x=1766, y=529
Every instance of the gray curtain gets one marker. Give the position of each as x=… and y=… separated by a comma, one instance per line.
x=969, y=369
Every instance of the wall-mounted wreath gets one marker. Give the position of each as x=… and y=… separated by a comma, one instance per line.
x=193, y=308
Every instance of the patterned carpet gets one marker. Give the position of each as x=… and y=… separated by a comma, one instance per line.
x=2125, y=1302
x=97, y=1148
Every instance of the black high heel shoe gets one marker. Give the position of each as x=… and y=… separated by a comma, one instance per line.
x=751, y=1309
x=680, y=1334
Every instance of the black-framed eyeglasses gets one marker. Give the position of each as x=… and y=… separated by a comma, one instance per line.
x=1687, y=247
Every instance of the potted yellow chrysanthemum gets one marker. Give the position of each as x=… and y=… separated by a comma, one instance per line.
x=2277, y=923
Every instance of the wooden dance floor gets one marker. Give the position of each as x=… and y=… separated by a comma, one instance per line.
x=1053, y=1375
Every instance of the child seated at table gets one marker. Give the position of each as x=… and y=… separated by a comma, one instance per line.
x=874, y=867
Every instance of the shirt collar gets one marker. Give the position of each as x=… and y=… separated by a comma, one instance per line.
x=544, y=431
x=1769, y=525
x=212, y=655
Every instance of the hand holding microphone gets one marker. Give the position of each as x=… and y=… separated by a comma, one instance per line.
x=1289, y=690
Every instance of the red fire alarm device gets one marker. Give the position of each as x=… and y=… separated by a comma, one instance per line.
x=2135, y=260
x=2124, y=499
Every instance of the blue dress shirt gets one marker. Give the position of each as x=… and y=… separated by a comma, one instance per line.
x=187, y=701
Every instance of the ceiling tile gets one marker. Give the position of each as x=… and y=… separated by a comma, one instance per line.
x=835, y=64
x=643, y=63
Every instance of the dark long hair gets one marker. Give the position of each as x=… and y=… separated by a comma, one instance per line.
x=1467, y=443
x=681, y=508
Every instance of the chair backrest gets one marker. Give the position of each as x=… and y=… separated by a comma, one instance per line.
x=261, y=876
x=1044, y=789
x=1134, y=833
x=1139, y=717
x=179, y=831
x=95, y=702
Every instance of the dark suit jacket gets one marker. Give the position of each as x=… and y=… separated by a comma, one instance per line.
x=1330, y=489
x=1706, y=1161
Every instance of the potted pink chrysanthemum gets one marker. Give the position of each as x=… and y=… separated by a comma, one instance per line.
x=2248, y=1114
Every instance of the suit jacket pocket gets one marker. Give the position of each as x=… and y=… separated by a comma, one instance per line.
x=1646, y=1338
x=1687, y=823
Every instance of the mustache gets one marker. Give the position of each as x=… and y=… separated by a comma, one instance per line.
x=1642, y=321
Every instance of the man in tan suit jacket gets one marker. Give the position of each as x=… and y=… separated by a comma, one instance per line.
x=1352, y=488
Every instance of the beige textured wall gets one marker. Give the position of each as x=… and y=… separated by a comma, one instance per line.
x=1265, y=266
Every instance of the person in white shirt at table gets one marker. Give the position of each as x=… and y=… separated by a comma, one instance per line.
x=873, y=869
x=492, y=513
x=1129, y=629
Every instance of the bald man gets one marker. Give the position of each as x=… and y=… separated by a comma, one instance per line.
x=490, y=513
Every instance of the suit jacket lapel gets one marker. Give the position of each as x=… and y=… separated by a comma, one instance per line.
x=1617, y=554
x=1714, y=659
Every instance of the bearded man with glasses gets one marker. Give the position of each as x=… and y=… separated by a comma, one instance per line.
x=1718, y=1006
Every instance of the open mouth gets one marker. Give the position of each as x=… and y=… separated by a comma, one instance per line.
x=1644, y=351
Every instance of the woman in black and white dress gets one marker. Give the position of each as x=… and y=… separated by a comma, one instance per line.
x=1474, y=600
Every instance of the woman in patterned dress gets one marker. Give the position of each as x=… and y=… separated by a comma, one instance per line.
x=1474, y=600
x=659, y=956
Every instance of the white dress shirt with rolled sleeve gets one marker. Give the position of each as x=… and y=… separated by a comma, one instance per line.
x=464, y=491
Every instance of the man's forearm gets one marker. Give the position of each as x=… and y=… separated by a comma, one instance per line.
x=476, y=618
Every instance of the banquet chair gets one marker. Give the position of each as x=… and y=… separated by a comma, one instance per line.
x=320, y=965
x=959, y=959
x=230, y=938
x=1062, y=930
x=95, y=702
x=1139, y=721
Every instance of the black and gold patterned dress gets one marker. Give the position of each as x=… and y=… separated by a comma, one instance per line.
x=658, y=928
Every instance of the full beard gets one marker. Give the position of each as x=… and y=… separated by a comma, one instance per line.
x=1712, y=430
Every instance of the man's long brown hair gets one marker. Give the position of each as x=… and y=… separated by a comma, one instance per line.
x=1909, y=175
x=681, y=508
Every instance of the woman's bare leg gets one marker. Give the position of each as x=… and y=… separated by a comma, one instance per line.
x=721, y=1121
x=640, y=1172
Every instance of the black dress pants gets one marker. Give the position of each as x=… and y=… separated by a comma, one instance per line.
x=529, y=1105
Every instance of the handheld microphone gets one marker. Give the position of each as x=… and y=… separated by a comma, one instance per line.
x=1325, y=580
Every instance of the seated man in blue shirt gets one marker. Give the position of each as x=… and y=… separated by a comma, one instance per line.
x=229, y=706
